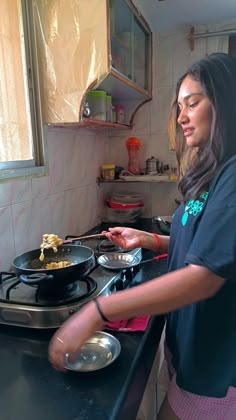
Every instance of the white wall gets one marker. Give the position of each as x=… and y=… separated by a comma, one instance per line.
x=69, y=201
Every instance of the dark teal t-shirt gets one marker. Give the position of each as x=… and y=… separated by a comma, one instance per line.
x=202, y=336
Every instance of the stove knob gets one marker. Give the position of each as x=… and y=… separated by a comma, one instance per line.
x=118, y=285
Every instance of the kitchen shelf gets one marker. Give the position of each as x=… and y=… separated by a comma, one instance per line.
x=93, y=123
x=118, y=181
x=90, y=122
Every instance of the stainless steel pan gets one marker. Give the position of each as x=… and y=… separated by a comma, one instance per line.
x=119, y=260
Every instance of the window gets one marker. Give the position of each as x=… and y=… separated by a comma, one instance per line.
x=22, y=136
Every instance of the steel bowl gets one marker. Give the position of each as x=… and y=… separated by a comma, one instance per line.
x=98, y=352
x=118, y=260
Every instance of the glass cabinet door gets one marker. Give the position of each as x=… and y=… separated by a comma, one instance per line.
x=130, y=44
x=121, y=20
x=141, y=55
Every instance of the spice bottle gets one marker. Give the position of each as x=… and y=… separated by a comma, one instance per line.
x=108, y=171
x=133, y=146
x=120, y=114
x=113, y=113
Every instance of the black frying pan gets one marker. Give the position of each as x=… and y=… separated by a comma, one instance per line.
x=30, y=270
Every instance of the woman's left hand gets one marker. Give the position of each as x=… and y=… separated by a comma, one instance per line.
x=73, y=334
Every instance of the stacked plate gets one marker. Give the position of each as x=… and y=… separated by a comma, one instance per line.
x=124, y=208
x=127, y=198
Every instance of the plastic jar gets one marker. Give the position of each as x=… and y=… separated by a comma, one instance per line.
x=108, y=108
x=133, y=146
x=108, y=171
x=97, y=104
x=120, y=114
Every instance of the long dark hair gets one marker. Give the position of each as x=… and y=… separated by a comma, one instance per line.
x=197, y=166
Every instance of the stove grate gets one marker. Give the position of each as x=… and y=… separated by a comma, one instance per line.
x=82, y=289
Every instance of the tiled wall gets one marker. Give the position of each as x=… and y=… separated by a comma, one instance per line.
x=69, y=201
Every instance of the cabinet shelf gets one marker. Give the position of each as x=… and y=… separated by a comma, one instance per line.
x=93, y=123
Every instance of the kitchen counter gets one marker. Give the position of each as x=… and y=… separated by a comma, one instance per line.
x=30, y=389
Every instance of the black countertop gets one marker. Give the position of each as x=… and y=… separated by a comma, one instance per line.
x=30, y=389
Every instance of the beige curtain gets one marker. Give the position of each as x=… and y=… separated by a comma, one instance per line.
x=15, y=134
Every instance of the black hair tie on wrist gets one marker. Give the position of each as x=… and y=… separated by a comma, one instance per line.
x=104, y=318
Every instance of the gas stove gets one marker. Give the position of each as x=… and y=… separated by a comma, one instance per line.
x=22, y=305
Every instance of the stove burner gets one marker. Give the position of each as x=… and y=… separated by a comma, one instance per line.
x=107, y=246
x=44, y=296
x=66, y=291
x=97, y=245
x=69, y=293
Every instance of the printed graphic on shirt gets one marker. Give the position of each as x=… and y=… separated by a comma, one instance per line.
x=194, y=207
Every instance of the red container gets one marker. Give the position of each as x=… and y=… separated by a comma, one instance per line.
x=124, y=206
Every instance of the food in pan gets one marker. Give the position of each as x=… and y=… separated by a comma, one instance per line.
x=50, y=240
x=60, y=264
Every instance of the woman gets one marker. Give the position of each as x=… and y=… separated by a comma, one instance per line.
x=198, y=293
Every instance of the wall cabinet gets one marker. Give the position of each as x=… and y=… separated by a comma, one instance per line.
x=100, y=44
x=130, y=45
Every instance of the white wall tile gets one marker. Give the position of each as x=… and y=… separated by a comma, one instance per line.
x=41, y=220
x=40, y=186
x=7, y=239
x=141, y=123
x=163, y=198
x=160, y=109
x=31, y=220
x=81, y=206
x=14, y=192
x=162, y=60
x=22, y=226
x=183, y=57
x=59, y=146
x=58, y=211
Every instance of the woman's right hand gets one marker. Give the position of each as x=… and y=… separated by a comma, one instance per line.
x=126, y=238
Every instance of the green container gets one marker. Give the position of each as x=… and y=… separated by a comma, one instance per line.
x=108, y=108
x=97, y=104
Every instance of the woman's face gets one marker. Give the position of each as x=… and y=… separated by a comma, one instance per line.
x=195, y=113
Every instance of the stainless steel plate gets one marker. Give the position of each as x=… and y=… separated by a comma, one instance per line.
x=118, y=260
x=98, y=352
